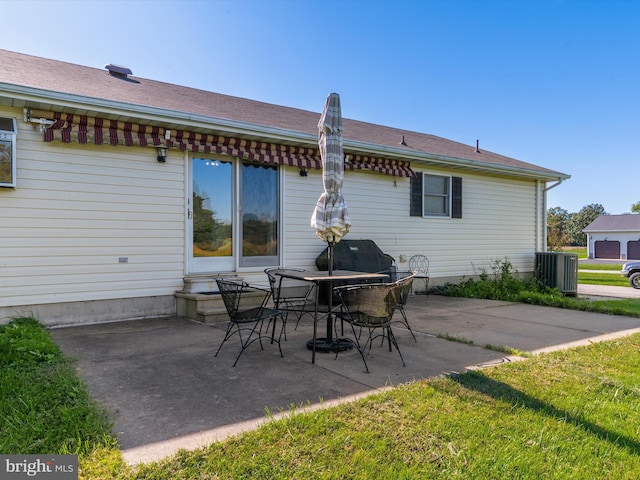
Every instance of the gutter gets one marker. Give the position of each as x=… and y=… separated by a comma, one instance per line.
x=544, y=208
x=65, y=100
x=560, y=180
x=484, y=167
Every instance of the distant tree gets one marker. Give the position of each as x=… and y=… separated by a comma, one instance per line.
x=635, y=208
x=557, y=219
x=580, y=220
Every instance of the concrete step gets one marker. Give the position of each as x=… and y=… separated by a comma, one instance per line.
x=203, y=307
x=206, y=307
x=212, y=316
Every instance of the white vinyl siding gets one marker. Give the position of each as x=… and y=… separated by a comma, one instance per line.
x=77, y=210
x=300, y=244
x=499, y=221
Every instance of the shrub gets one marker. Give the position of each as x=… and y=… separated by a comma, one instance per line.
x=502, y=283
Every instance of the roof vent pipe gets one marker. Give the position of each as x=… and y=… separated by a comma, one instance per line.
x=402, y=142
x=118, y=70
x=477, y=146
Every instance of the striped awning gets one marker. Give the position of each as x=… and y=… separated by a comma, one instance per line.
x=82, y=129
x=246, y=149
x=387, y=166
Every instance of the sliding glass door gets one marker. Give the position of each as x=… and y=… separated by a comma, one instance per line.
x=234, y=215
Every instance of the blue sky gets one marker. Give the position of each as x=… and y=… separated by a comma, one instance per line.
x=550, y=82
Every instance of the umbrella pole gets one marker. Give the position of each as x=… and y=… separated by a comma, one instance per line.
x=330, y=322
x=328, y=344
x=330, y=257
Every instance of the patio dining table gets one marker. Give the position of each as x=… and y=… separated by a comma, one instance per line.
x=329, y=343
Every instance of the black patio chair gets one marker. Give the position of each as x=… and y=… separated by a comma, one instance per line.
x=246, y=306
x=291, y=295
x=370, y=306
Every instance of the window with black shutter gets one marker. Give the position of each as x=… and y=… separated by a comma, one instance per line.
x=456, y=197
x=435, y=196
x=415, y=205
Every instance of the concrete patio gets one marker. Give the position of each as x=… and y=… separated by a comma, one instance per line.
x=165, y=390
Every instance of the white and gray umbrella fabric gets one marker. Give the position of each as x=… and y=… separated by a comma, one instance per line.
x=330, y=217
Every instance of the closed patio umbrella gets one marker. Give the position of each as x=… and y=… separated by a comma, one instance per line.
x=330, y=217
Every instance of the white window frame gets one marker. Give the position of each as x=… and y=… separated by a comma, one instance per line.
x=235, y=262
x=10, y=136
x=426, y=193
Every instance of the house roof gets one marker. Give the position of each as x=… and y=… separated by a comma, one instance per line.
x=614, y=223
x=34, y=82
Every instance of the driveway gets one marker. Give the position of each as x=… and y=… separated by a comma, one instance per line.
x=607, y=292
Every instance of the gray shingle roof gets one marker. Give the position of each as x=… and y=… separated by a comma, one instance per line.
x=614, y=223
x=96, y=87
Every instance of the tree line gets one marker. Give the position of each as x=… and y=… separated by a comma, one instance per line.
x=565, y=229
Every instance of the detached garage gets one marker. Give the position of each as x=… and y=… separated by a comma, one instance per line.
x=614, y=237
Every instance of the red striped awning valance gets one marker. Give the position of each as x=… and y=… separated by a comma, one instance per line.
x=246, y=149
x=83, y=129
x=387, y=166
x=69, y=128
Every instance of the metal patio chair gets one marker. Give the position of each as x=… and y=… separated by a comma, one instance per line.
x=370, y=306
x=405, y=281
x=420, y=265
x=290, y=295
x=246, y=306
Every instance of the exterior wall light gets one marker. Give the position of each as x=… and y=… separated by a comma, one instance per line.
x=162, y=154
x=303, y=172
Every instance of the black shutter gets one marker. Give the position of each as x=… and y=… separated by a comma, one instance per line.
x=415, y=200
x=456, y=197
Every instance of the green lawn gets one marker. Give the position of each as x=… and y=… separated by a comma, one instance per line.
x=581, y=251
x=45, y=408
x=604, y=278
x=601, y=266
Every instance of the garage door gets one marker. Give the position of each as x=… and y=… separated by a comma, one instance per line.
x=633, y=250
x=607, y=249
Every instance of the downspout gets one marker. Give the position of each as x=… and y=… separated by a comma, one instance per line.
x=544, y=212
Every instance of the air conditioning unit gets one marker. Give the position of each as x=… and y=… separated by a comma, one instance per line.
x=558, y=270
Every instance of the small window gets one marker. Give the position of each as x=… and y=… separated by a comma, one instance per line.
x=436, y=196
x=7, y=152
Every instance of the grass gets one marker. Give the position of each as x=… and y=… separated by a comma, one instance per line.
x=604, y=278
x=580, y=251
x=45, y=408
x=601, y=266
x=488, y=346
x=610, y=274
